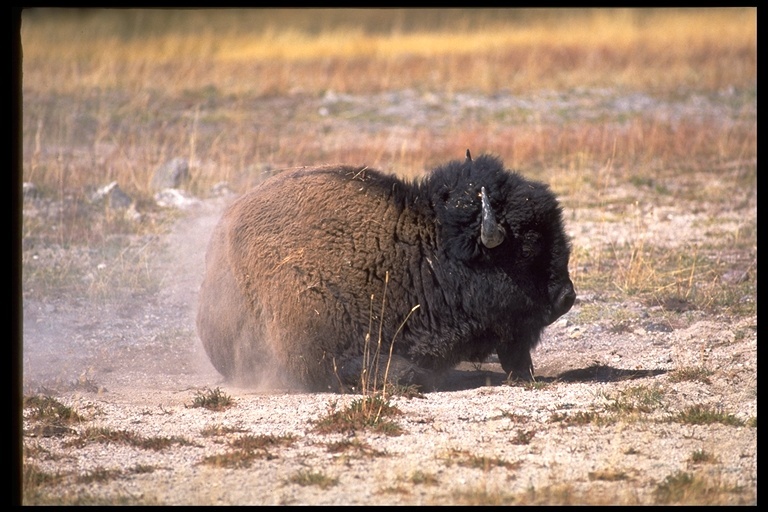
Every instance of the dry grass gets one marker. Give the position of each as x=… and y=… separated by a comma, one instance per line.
x=120, y=92
x=212, y=399
x=309, y=477
x=110, y=436
x=248, y=448
x=373, y=410
x=256, y=52
x=691, y=489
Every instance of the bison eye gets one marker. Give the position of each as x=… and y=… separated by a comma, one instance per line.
x=531, y=244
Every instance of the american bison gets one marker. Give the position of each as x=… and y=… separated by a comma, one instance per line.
x=317, y=270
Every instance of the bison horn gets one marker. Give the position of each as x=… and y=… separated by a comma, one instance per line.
x=491, y=233
x=469, y=157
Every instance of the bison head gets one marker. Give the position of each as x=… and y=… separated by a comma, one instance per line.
x=507, y=229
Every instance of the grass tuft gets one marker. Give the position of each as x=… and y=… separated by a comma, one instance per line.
x=706, y=415
x=580, y=418
x=212, y=399
x=523, y=437
x=689, y=489
x=374, y=410
x=701, y=456
x=221, y=430
x=104, y=435
x=316, y=478
x=697, y=374
x=46, y=408
x=366, y=413
x=245, y=449
x=610, y=475
x=469, y=460
x=636, y=399
x=355, y=445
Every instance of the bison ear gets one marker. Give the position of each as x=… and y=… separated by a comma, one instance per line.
x=469, y=157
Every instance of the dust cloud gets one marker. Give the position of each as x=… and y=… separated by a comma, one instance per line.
x=131, y=340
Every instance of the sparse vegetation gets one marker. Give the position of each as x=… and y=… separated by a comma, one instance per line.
x=98, y=475
x=523, y=436
x=610, y=475
x=235, y=459
x=317, y=478
x=212, y=399
x=261, y=442
x=39, y=486
x=515, y=418
x=47, y=417
x=105, y=435
x=529, y=385
x=355, y=446
x=367, y=412
x=582, y=418
x=467, y=459
x=245, y=449
x=419, y=477
x=373, y=410
x=690, y=489
x=706, y=415
x=221, y=430
x=50, y=410
x=481, y=496
x=698, y=374
x=701, y=456
x=636, y=399
x=33, y=477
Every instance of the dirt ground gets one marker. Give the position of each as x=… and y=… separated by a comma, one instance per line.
x=136, y=365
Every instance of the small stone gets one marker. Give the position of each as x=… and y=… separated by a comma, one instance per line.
x=735, y=276
x=30, y=190
x=175, y=198
x=113, y=195
x=658, y=327
x=172, y=174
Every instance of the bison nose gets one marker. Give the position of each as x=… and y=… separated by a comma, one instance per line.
x=562, y=298
x=564, y=301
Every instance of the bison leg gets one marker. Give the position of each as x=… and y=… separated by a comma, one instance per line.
x=515, y=359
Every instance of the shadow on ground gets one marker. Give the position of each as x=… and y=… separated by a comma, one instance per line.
x=460, y=379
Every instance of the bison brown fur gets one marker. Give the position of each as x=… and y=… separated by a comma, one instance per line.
x=297, y=270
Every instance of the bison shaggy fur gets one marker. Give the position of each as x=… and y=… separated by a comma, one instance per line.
x=318, y=269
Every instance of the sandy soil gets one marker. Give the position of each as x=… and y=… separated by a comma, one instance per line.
x=135, y=365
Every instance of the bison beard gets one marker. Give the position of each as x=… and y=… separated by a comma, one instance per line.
x=297, y=268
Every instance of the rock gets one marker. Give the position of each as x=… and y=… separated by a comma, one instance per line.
x=172, y=174
x=131, y=214
x=221, y=189
x=658, y=327
x=175, y=198
x=30, y=190
x=113, y=195
x=735, y=276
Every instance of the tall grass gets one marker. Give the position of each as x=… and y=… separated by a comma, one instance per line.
x=262, y=51
x=110, y=94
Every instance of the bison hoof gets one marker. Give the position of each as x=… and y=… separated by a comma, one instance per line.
x=521, y=376
x=516, y=362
